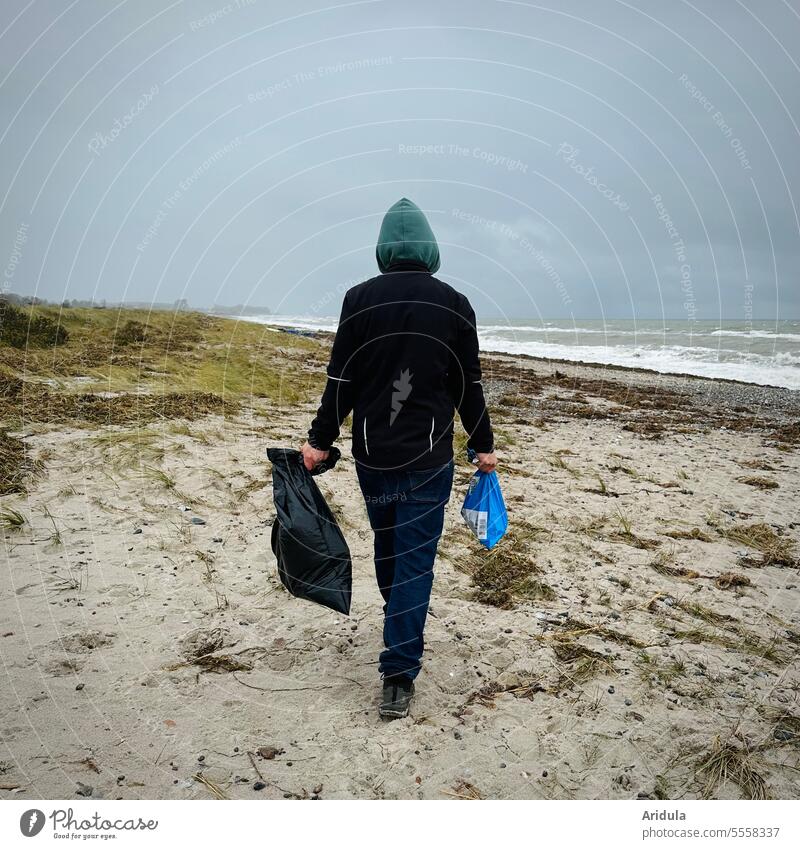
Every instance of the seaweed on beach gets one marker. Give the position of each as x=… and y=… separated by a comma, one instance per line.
x=759, y=482
x=16, y=464
x=507, y=573
x=36, y=403
x=776, y=549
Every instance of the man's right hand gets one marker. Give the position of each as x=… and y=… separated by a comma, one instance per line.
x=487, y=462
x=313, y=456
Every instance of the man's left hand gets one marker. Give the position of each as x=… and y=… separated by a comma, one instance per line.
x=313, y=456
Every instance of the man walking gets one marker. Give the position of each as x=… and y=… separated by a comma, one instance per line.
x=405, y=357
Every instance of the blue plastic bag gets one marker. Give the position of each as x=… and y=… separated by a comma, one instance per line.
x=484, y=510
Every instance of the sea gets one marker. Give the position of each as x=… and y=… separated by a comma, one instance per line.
x=761, y=352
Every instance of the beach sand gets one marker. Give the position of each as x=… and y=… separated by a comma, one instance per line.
x=634, y=635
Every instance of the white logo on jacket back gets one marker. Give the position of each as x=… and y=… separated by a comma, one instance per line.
x=402, y=387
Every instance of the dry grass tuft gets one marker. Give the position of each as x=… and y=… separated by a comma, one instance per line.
x=726, y=762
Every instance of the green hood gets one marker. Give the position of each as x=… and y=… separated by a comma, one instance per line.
x=406, y=236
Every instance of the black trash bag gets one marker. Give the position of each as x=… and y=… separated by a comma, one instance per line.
x=313, y=557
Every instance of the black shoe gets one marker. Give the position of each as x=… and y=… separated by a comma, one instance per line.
x=398, y=691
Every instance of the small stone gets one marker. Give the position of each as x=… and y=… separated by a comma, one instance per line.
x=259, y=785
x=201, y=758
x=544, y=773
x=85, y=790
x=628, y=702
x=611, y=689
x=235, y=748
x=457, y=735
x=80, y=686
x=196, y=520
x=120, y=778
x=137, y=530
x=217, y=539
x=502, y=766
x=783, y=734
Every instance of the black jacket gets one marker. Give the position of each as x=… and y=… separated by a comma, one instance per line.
x=404, y=359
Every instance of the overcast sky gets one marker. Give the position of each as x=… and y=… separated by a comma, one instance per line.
x=594, y=159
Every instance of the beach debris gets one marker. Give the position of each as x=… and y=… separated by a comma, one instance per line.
x=464, y=789
x=196, y=520
x=269, y=753
x=759, y=482
x=214, y=788
x=259, y=785
x=776, y=549
x=84, y=790
x=732, y=579
x=9, y=785
x=693, y=533
x=202, y=641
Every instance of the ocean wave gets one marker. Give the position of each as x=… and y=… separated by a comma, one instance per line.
x=756, y=334
x=769, y=368
x=781, y=370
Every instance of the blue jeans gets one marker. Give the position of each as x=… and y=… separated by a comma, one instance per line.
x=406, y=512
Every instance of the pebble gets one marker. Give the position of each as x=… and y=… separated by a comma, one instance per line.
x=544, y=773
x=85, y=790
x=259, y=785
x=79, y=686
x=201, y=758
x=457, y=735
x=217, y=539
x=628, y=702
x=611, y=689
x=783, y=734
x=196, y=520
x=137, y=530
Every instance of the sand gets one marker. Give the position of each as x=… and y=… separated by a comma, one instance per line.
x=614, y=676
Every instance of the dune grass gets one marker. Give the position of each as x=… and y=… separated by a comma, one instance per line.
x=151, y=366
